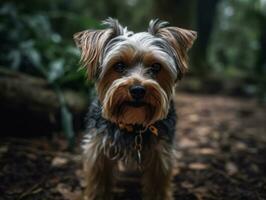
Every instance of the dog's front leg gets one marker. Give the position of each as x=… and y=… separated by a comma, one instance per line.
x=158, y=173
x=98, y=173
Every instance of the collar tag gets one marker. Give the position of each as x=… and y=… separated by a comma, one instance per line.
x=154, y=130
x=130, y=128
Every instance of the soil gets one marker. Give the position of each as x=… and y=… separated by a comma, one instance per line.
x=221, y=148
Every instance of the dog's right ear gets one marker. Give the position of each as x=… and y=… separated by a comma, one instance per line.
x=92, y=42
x=181, y=40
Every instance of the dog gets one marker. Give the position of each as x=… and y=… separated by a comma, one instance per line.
x=133, y=118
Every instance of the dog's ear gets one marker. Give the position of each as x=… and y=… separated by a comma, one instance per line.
x=92, y=43
x=181, y=40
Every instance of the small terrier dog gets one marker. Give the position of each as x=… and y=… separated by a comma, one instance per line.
x=133, y=118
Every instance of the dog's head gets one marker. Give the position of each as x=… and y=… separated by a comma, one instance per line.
x=135, y=73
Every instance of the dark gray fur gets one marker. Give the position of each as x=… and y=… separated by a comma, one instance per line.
x=155, y=25
x=119, y=144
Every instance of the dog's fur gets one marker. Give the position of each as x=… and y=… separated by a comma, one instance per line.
x=118, y=59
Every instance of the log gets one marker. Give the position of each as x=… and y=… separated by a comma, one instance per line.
x=27, y=101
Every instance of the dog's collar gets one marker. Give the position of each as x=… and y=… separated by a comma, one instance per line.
x=139, y=129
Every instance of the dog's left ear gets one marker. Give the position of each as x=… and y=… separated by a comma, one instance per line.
x=92, y=43
x=181, y=40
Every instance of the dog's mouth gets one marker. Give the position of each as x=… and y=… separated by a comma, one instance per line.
x=135, y=103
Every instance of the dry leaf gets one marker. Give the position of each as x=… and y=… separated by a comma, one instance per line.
x=3, y=149
x=240, y=146
x=66, y=192
x=187, y=143
x=187, y=185
x=59, y=161
x=231, y=168
x=206, y=151
x=193, y=118
x=197, y=166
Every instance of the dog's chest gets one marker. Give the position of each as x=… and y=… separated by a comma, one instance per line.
x=118, y=144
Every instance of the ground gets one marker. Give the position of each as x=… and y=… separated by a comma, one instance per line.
x=221, y=148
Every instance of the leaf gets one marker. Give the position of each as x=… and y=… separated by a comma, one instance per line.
x=15, y=58
x=67, y=124
x=67, y=192
x=187, y=143
x=59, y=162
x=34, y=57
x=56, y=70
x=28, y=49
x=198, y=166
x=40, y=25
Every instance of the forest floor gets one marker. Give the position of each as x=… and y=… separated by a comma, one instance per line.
x=221, y=155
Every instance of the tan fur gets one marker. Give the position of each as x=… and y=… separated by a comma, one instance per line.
x=133, y=116
x=128, y=55
x=114, y=89
x=91, y=43
x=157, y=177
x=98, y=170
x=157, y=173
x=105, y=83
x=164, y=77
x=118, y=93
x=101, y=50
x=181, y=40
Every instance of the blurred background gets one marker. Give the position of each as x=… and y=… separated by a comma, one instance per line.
x=42, y=88
x=44, y=95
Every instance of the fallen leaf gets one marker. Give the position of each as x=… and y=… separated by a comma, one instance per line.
x=66, y=192
x=3, y=149
x=193, y=118
x=203, y=130
x=59, y=161
x=187, y=143
x=231, y=168
x=240, y=146
x=81, y=177
x=200, y=192
x=187, y=185
x=206, y=151
x=197, y=166
x=176, y=171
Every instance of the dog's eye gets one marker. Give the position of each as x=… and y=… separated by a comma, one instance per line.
x=120, y=67
x=155, y=68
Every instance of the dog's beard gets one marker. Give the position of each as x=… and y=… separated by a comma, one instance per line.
x=119, y=107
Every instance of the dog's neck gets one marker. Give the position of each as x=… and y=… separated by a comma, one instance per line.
x=159, y=128
x=132, y=128
x=127, y=138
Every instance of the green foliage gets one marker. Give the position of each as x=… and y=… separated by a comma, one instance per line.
x=236, y=42
x=36, y=38
x=133, y=13
x=31, y=43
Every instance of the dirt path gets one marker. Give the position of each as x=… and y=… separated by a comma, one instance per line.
x=221, y=155
x=222, y=146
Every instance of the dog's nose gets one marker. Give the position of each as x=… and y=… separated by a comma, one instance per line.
x=137, y=92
